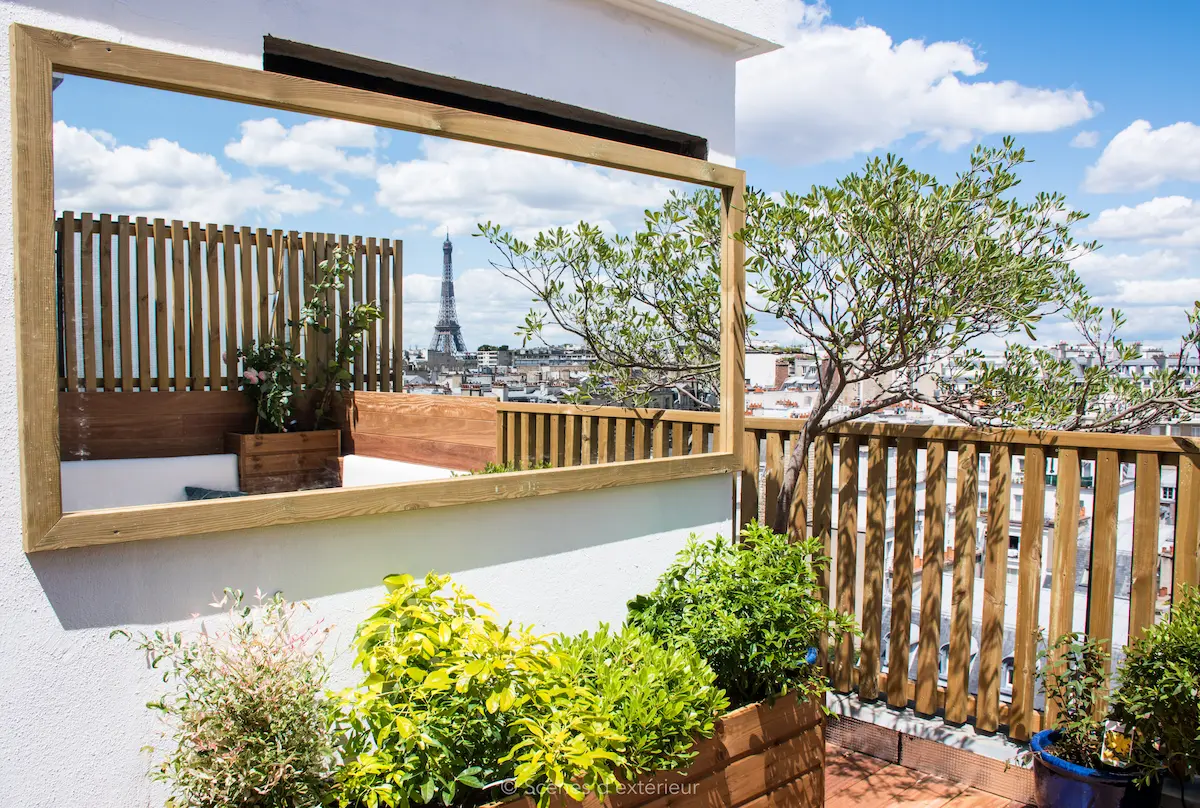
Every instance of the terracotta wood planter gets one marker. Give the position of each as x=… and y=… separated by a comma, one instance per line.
x=768, y=756
x=286, y=461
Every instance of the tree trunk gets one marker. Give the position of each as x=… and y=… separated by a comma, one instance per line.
x=795, y=470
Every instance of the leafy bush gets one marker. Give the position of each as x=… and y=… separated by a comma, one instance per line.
x=750, y=609
x=1073, y=677
x=1159, y=694
x=453, y=701
x=247, y=718
x=655, y=700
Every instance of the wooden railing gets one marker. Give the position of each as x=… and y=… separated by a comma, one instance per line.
x=165, y=306
x=916, y=529
x=554, y=435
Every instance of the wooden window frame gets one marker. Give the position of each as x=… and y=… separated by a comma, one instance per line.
x=36, y=54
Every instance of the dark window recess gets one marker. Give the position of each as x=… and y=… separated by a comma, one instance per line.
x=335, y=67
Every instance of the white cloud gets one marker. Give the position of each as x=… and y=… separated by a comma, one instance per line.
x=322, y=147
x=1178, y=291
x=458, y=185
x=93, y=173
x=1085, y=139
x=1141, y=157
x=1168, y=220
x=834, y=91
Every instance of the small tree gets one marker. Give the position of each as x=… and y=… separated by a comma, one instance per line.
x=882, y=277
x=647, y=306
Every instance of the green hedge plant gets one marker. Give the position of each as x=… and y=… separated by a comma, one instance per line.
x=1073, y=676
x=751, y=609
x=1159, y=693
x=453, y=701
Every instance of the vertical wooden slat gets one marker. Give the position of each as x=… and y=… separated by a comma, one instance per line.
x=145, y=330
x=963, y=589
x=774, y=475
x=873, y=560
x=358, y=295
x=162, y=339
x=748, y=509
x=540, y=423
x=604, y=441
x=70, y=300
x=995, y=578
x=1029, y=590
x=385, y=325
x=822, y=518
x=641, y=440
x=295, y=290
x=697, y=445
x=677, y=439
x=557, y=441
x=1103, y=575
x=1187, y=526
x=930, y=641
x=108, y=380
x=372, y=344
x=523, y=454
x=179, y=326
x=322, y=342
x=512, y=438
x=262, y=291
x=502, y=438
x=229, y=256
x=279, y=272
x=1066, y=536
x=902, y=572
x=572, y=443
x=212, y=255
x=87, y=300
x=798, y=518
x=1143, y=591
x=847, y=556
x=587, y=439
x=621, y=440
x=660, y=439
x=246, y=250
x=398, y=311
x=196, y=306
x=124, y=305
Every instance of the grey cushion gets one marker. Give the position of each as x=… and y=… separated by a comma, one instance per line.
x=195, y=492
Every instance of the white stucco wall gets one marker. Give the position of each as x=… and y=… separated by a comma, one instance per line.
x=602, y=55
x=72, y=715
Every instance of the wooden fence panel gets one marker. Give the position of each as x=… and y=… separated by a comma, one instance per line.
x=1143, y=591
x=167, y=306
x=963, y=586
x=902, y=572
x=1187, y=526
x=1029, y=589
x=995, y=579
x=1066, y=534
x=847, y=555
x=1102, y=575
x=873, y=560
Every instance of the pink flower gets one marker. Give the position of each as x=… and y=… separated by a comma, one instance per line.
x=262, y=375
x=251, y=375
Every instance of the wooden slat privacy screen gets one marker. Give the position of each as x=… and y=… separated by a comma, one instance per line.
x=151, y=305
x=956, y=647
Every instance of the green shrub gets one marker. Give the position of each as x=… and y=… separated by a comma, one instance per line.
x=1073, y=677
x=1159, y=693
x=656, y=700
x=750, y=609
x=248, y=722
x=453, y=701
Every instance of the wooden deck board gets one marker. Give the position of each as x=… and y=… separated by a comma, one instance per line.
x=855, y=780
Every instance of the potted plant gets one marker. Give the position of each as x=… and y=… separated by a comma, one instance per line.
x=1068, y=760
x=1159, y=696
x=280, y=455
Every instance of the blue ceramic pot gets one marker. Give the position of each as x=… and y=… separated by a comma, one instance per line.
x=1059, y=784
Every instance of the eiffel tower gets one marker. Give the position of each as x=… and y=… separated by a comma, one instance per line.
x=447, y=334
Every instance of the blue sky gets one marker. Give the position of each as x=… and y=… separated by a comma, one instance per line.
x=1101, y=95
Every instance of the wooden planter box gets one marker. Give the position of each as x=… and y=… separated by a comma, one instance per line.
x=286, y=461
x=770, y=755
